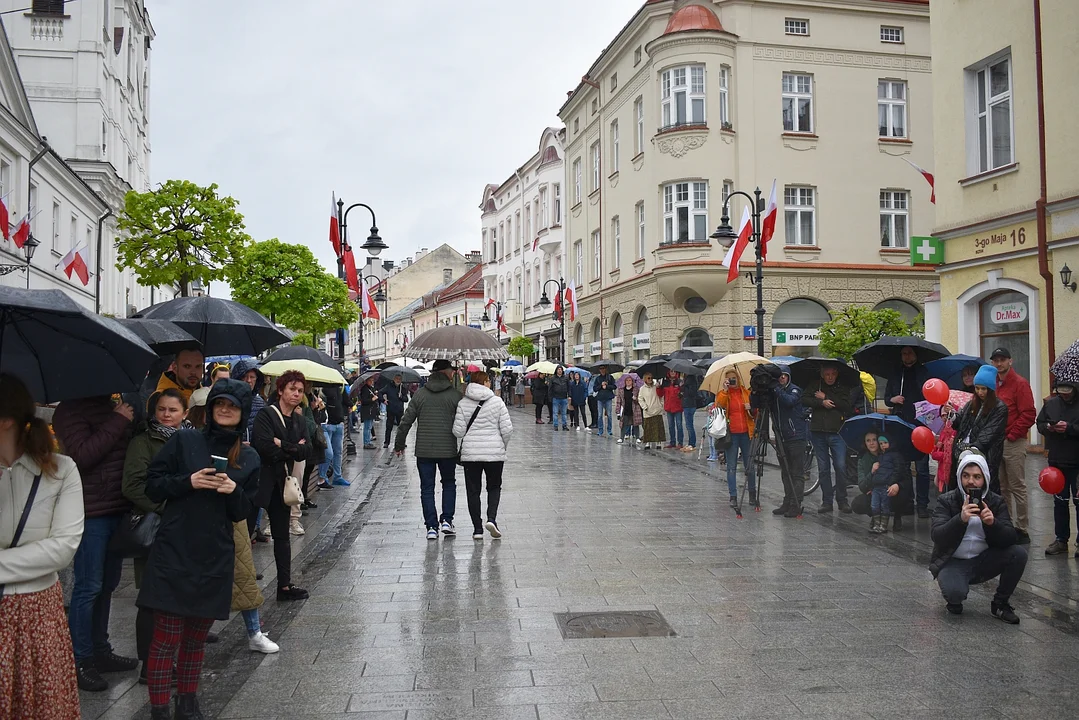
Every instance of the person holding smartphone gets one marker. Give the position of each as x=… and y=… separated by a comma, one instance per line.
x=974, y=541
x=734, y=399
x=207, y=480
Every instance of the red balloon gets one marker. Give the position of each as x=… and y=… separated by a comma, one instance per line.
x=935, y=391
x=1051, y=480
x=923, y=440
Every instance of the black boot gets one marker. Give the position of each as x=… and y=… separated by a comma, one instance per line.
x=160, y=712
x=794, y=511
x=187, y=708
x=88, y=677
x=782, y=509
x=874, y=523
x=882, y=526
x=897, y=522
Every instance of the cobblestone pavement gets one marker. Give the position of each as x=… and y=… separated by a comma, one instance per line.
x=772, y=617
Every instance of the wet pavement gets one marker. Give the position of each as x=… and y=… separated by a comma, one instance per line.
x=771, y=617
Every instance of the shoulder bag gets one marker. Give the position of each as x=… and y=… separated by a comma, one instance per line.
x=24, y=517
x=292, y=494
x=135, y=534
x=468, y=427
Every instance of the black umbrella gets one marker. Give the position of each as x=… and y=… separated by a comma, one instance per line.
x=806, y=373
x=686, y=367
x=408, y=375
x=222, y=326
x=384, y=365
x=456, y=343
x=162, y=336
x=704, y=363
x=611, y=366
x=656, y=367
x=303, y=352
x=63, y=351
x=881, y=358
x=355, y=389
x=684, y=355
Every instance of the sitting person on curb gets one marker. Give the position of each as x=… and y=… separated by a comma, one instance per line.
x=974, y=542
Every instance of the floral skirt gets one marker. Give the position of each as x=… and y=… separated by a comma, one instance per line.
x=653, y=430
x=37, y=666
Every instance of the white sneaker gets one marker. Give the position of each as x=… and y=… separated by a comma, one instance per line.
x=477, y=535
x=260, y=643
x=432, y=534
x=621, y=440
x=448, y=528
x=638, y=441
x=493, y=529
x=296, y=528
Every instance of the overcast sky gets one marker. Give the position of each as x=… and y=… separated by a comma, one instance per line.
x=408, y=106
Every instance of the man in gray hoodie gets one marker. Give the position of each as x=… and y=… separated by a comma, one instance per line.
x=434, y=406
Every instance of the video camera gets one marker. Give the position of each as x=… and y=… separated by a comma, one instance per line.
x=763, y=380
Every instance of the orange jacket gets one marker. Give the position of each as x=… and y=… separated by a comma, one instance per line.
x=723, y=399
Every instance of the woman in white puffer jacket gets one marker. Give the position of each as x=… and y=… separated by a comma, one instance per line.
x=483, y=448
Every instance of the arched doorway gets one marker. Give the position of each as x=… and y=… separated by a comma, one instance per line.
x=577, y=352
x=909, y=311
x=697, y=340
x=596, y=348
x=617, y=342
x=642, y=339
x=794, y=327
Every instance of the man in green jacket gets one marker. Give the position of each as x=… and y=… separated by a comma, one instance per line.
x=434, y=406
x=831, y=405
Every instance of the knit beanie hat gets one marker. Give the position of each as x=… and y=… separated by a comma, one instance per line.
x=986, y=377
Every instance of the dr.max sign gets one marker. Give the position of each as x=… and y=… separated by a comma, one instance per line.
x=1008, y=313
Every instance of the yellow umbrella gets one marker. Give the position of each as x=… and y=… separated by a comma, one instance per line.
x=545, y=367
x=741, y=363
x=312, y=371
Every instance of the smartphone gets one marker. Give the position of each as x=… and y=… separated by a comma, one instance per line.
x=220, y=463
x=974, y=497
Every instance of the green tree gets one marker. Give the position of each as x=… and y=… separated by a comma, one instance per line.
x=275, y=278
x=857, y=325
x=328, y=307
x=179, y=233
x=521, y=347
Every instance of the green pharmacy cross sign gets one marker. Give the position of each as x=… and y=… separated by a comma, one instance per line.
x=926, y=251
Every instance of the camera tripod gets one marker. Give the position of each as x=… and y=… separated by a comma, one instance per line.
x=759, y=452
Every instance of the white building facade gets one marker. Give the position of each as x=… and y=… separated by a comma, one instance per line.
x=524, y=244
x=85, y=67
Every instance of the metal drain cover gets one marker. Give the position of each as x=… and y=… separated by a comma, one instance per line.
x=618, y=624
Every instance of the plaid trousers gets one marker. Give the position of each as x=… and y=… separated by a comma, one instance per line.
x=172, y=633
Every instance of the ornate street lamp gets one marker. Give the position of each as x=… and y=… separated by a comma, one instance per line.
x=559, y=315
x=726, y=235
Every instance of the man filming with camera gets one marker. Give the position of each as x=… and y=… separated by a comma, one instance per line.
x=974, y=541
x=790, y=419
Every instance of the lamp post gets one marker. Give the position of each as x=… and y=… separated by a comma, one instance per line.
x=400, y=344
x=498, y=318
x=726, y=236
x=373, y=245
x=379, y=297
x=561, y=314
x=28, y=249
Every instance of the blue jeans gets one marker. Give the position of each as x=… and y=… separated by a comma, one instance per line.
x=605, y=407
x=446, y=467
x=369, y=432
x=674, y=423
x=880, y=503
x=252, y=622
x=740, y=442
x=921, y=484
x=691, y=432
x=97, y=574
x=825, y=446
x=335, y=435
x=560, y=405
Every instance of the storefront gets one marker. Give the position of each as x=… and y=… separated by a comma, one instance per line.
x=795, y=327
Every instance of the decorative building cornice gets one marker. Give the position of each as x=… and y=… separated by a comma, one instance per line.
x=781, y=53
x=677, y=145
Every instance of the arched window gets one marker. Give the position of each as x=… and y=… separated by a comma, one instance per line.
x=792, y=324
x=578, y=335
x=616, y=334
x=595, y=330
x=1005, y=322
x=643, y=328
x=909, y=311
x=697, y=340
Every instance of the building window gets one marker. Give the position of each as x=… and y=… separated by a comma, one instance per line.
x=597, y=256
x=543, y=208
x=504, y=236
x=494, y=244
x=1005, y=322
x=509, y=236
x=5, y=178
x=557, y=204
x=616, y=233
x=576, y=125
x=614, y=82
x=595, y=105
x=725, y=192
x=685, y=212
x=577, y=181
x=528, y=285
x=724, y=96
x=55, y=226
x=578, y=251
x=894, y=225
x=595, y=167
x=797, y=103
x=56, y=7
x=73, y=229
x=993, y=114
x=517, y=241
x=614, y=146
x=892, y=108
x=800, y=210
x=683, y=96
x=638, y=113
x=637, y=56
x=528, y=224
x=891, y=34
x=640, y=230
x=796, y=26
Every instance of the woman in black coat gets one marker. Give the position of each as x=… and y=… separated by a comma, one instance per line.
x=981, y=424
x=369, y=410
x=280, y=437
x=188, y=578
x=539, y=397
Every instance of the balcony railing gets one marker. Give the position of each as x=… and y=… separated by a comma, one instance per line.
x=684, y=125
x=50, y=29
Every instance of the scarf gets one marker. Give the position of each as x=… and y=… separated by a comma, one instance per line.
x=166, y=431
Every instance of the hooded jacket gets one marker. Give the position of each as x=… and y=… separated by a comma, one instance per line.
x=1014, y=391
x=559, y=387
x=671, y=390
x=1062, y=448
x=487, y=439
x=240, y=369
x=949, y=528
x=434, y=406
x=96, y=437
x=984, y=431
x=790, y=412
x=190, y=569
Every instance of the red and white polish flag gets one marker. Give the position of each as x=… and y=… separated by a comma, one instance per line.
x=368, y=306
x=734, y=255
x=929, y=178
x=571, y=302
x=335, y=229
x=22, y=231
x=75, y=263
x=768, y=225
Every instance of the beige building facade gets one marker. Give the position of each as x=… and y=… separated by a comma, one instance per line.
x=1005, y=240
x=694, y=100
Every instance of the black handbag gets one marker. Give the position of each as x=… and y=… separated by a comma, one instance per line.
x=467, y=428
x=135, y=534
